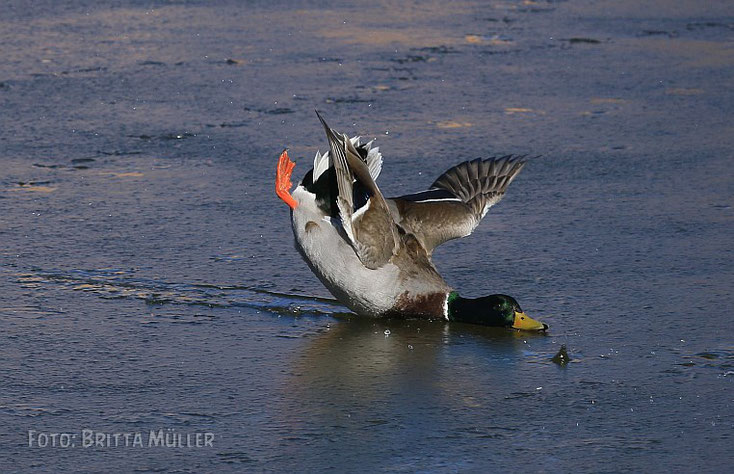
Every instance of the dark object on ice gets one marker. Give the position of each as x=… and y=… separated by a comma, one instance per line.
x=561, y=357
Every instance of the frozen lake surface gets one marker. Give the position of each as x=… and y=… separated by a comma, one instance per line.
x=148, y=279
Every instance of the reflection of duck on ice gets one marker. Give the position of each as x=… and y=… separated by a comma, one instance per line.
x=358, y=386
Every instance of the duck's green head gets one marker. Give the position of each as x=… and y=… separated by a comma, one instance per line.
x=492, y=310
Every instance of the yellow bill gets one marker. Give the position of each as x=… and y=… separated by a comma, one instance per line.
x=526, y=323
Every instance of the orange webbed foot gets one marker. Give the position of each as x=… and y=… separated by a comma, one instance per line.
x=283, y=179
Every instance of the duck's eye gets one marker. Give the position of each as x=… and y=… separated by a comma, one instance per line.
x=522, y=318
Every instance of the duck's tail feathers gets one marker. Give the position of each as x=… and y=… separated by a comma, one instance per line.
x=320, y=164
x=371, y=156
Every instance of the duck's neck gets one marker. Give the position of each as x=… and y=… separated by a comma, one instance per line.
x=471, y=310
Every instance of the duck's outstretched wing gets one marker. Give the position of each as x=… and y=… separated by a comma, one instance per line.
x=457, y=201
x=363, y=211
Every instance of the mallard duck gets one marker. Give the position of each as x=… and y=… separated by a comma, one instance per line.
x=374, y=253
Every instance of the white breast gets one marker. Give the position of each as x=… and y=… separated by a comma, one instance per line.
x=332, y=259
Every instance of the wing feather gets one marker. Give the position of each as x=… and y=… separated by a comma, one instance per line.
x=476, y=185
x=370, y=229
